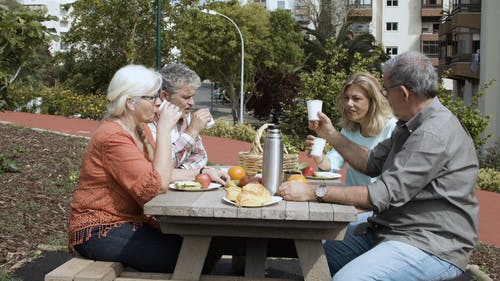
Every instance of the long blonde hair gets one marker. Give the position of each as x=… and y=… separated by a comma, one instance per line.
x=379, y=111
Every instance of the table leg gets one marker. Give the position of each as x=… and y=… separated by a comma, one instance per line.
x=255, y=261
x=312, y=260
x=191, y=258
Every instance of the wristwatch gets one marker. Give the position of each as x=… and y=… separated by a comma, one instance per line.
x=320, y=192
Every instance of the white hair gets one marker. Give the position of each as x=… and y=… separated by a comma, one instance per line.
x=130, y=81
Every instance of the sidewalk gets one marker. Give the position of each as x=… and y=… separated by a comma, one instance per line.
x=225, y=152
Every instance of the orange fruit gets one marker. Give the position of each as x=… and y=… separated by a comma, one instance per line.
x=236, y=172
x=297, y=177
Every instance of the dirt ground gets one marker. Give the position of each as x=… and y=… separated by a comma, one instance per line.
x=40, y=174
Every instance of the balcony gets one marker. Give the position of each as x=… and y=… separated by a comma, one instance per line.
x=461, y=70
x=429, y=37
x=359, y=9
x=469, y=20
x=431, y=9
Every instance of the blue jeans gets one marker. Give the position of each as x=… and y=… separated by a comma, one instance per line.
x=143, y=248
x=356, y=258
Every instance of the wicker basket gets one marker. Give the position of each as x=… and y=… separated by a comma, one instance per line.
x=252, y=160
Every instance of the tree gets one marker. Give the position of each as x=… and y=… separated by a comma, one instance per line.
x=24, y=45
x=211, y=45
x=324, y=83
x=104, y=36
x=276, y=80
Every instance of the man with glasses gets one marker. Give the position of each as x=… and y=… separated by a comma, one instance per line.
x=179, y=85
x=425, y=222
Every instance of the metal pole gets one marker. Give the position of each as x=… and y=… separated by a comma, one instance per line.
x=242, y=94
x=158, y=34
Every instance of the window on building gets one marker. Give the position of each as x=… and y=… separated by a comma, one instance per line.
x=392, y=3
x=391, y=51
x=435, y=28
x=391, y=26
x=281, y=4
x=430, y=48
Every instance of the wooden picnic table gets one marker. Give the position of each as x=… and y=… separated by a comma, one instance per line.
x=199, y=216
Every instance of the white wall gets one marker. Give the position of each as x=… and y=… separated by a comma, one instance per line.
x=53, y=8
x=490, y=63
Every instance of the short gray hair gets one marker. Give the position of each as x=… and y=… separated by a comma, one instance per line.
x=176, y=76
x=415, y=71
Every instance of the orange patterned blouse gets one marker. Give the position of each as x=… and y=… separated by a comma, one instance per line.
x=116, y=180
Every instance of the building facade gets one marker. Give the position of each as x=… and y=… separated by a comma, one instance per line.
x=53, y=8
x=472, y=64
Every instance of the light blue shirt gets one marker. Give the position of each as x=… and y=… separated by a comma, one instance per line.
x=353, y=176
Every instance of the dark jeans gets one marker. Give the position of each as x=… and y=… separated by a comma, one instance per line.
x=143, y=248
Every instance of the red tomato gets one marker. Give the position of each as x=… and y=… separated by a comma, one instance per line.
x=204, y=180
x=308, y=172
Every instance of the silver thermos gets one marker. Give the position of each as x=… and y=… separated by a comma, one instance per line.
x=272, y=166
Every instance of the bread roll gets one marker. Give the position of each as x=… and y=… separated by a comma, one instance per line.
x=232, y=192
x=252, y=195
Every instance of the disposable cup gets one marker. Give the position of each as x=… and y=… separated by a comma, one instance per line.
x=210, y=123
x=313, y=107
x=318, y=147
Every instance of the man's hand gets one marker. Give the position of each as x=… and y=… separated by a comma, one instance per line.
x=217, y=175
x=199, y=120
x=296, y=191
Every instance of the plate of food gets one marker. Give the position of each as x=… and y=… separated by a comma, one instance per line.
x=274, y=200
x=192, y=186
x=252, y=194
x=324, y=176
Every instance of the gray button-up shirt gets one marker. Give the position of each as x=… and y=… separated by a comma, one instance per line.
x=425, y=194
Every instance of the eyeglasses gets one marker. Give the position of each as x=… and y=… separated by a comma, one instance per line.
x=152, y=98
x=385, y=91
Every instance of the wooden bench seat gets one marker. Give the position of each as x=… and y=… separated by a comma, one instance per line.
x=81, y=269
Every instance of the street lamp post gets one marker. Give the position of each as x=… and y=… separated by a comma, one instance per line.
x=242, y=95
x=158, y=34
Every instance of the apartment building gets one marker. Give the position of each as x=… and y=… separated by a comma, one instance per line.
x=469, y=49
x=54, y=8
x=400, y=25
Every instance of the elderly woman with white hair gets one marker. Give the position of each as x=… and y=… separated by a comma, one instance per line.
x=120, y=173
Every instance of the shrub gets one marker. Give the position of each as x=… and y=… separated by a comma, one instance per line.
x=243, y=132
x=490, y=157
x=59, y=101
x=226, y=129
x=472, y=118
x=488, y=179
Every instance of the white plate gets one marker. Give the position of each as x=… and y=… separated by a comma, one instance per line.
x=325, y=176
x=274, y=200
x=212, y=186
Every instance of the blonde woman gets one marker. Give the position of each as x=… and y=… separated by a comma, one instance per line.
x=366, y=119
x=120, y=173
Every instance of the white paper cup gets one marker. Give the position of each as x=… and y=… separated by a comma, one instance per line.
x=210, y=123
x=313, y=107
x=318, y=147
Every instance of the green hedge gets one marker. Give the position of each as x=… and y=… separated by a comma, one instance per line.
x=57, y=101
x=488, y=179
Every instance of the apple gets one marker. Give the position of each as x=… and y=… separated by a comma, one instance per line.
x=308, y=171
x=204, y=180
